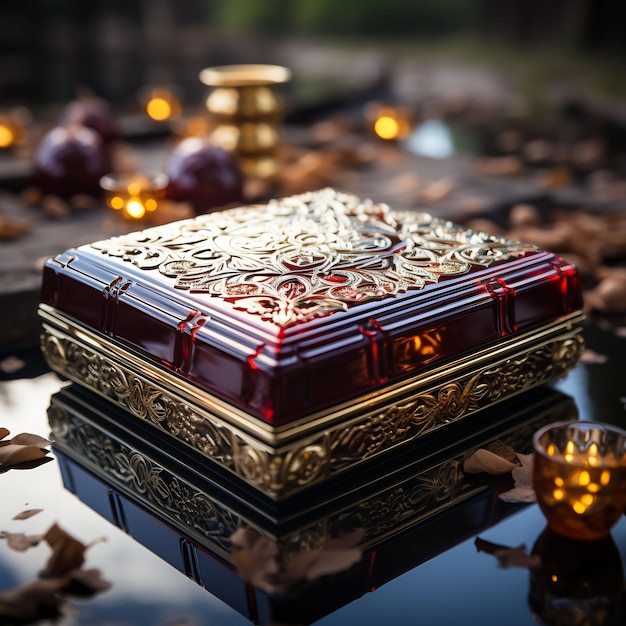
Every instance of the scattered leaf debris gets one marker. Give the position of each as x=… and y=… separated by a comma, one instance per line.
x=22, y=451
x=259, y=562
x=522, y=490
x=516, y=556
x=590, y=357
x=61, y=579
x=19, y=541
x=493, y=459
x=27, y=513
x=499, y=458
x=11, y=364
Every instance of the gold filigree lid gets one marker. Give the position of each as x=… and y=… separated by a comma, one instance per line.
x=310, y=255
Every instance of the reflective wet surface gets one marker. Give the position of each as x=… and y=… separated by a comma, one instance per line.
x=418, y=560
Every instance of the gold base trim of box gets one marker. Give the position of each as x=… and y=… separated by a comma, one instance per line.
x=284, y=460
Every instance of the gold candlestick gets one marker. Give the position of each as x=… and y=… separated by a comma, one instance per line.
x=247, y=110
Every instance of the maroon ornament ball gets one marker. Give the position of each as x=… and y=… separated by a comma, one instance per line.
x=204, y=175
x=70, y=161
x=94, y=113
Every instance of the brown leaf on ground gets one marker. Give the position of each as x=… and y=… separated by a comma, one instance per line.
x=523, y=490
x=22, y=449
x=26, y=514
x=255, y=557
x=334, y=555
x=12, y=455
x=436, y=191
x=62, y=578
x=85, y=583
x=19, y=541
x=67, y=553
x=507, y=556
x=495, y=458
x=12, y=228
x=11, y=364
x=34, y=601
x=258, y=560
x=28, y=439
x=590, y=357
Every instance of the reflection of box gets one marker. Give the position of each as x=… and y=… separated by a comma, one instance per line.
x=293, y=341
x=421, y=506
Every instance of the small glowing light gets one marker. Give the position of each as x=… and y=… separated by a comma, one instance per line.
x=584, y=478
x=579, y=507
x=135, y=209
x=558, y=494
x=159, y=109
x=7, y=136
x=587, y=499
x=134, y=188
x=558, y=481
x=554, y=578
x=605, y=477
x=551, y=449
x=116, y=203
x=387, y=127
x=135, y=195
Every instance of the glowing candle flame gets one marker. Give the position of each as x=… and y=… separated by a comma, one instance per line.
x=161, y=104
x=390, y=123
x=135, y=208
x=386, y=127
x=159, y=109
x=132, y=197
x=7, y=136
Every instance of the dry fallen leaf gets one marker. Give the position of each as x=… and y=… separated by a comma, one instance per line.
x=67, y=553
x=11, y=364
x=34, y=601
x=258, y=561
x=26, y=514
x=523, y=490
x=436, y=191
x=19, y=541
x=254, y=556
x=21, y=449
x=486, y=461
x=63, y=577
x=507, y=556
x=12, y=228
x=334, y=555
x=590, y=357
x=499, y=458
x=85, y=582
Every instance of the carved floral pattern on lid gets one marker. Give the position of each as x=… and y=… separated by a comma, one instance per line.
x=309, y=255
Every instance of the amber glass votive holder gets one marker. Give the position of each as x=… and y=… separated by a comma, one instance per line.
x=134, y=197
x=579, y=477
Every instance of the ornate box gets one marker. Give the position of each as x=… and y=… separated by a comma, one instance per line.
x=291, y=341
x=391, y=520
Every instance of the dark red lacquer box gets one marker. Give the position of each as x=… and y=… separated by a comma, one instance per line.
x=319, y=323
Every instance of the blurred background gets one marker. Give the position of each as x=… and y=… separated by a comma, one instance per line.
x=50, y=47
x=504, y=115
